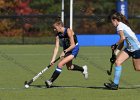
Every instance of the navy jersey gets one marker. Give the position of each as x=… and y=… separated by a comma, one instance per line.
x=65, y=39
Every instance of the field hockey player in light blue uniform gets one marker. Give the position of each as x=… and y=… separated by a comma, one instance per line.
x=70, y=51
x=132, y=48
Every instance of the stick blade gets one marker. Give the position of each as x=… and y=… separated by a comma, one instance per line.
x=25, y=83
x=108, y=72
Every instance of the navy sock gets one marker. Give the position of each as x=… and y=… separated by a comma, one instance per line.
x=55, y=74
x=77, y=68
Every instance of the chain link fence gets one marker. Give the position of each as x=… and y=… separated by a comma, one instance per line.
x=31, y=23
x=29, y=29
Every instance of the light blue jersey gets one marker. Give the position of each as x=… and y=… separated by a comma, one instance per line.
x=132, y=42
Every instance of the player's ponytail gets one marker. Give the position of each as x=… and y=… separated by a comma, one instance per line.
x=120, y=17
x=124, y=20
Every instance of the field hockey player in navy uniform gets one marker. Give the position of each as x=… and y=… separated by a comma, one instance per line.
x=70, y=51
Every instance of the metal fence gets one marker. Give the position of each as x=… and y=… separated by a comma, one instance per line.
x=37, y=29
x=30, y=21
x=27, y=29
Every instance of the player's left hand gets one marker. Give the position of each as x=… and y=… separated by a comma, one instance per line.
x=62, y=54
x=114, y=46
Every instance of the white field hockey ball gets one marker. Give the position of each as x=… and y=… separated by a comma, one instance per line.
x=26, y=86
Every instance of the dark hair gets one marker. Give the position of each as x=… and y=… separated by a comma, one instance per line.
x=120, y=17
x=58, y=21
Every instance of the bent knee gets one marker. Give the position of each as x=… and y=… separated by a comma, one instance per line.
x=137, y=68
x=118, y=62
x=60, y=65
x=70, y=67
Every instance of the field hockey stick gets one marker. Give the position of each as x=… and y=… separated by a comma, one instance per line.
x=109, y=72
x=113, y=58
x=27, y=84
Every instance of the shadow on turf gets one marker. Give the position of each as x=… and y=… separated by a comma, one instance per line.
x=90, y=87
x=130, y=87
x=54, y=86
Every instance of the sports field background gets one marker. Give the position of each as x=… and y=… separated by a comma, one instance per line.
x=19, y=63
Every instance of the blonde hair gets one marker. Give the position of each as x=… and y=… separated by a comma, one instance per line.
x=58, y=22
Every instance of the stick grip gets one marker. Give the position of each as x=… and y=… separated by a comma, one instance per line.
x=54, y=61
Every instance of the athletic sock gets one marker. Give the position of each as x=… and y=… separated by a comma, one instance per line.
x=55, y=74
x=77, y=68
x=118, y=70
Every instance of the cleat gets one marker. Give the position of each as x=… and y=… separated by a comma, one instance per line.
x=48, y=83
x=111, y=86
x=85, y=72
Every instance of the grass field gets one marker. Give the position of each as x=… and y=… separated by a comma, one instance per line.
x=20, y=62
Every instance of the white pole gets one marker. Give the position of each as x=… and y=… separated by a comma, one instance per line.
x=62, y=11
x=71, y=14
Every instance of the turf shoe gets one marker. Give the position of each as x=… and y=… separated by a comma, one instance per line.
x=111, y=86
x=85, y=72
x=48, y=83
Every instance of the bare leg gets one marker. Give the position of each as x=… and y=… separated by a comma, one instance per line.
x=118, y=69
x=136, y=63
x=59, y=67
x=121, y=58
x=66, y=60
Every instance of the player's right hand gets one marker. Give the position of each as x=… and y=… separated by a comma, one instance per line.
x=52, y=62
